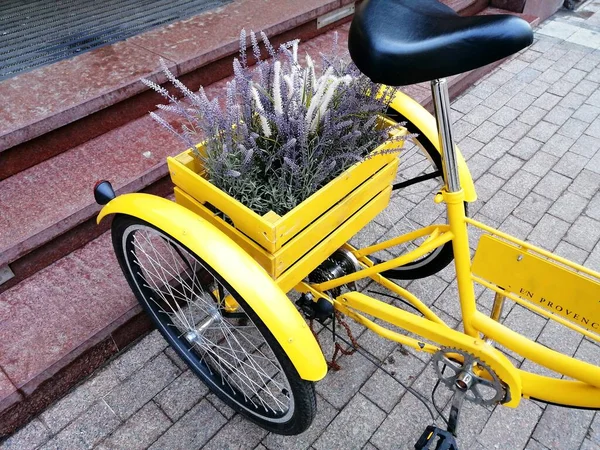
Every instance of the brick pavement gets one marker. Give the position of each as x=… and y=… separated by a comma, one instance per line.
x=531, y=134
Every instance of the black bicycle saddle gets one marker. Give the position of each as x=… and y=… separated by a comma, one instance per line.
x=399, y=42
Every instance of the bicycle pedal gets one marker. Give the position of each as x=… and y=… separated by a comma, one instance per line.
x=436, y=438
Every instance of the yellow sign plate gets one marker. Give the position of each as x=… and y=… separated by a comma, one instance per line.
x=542, y=282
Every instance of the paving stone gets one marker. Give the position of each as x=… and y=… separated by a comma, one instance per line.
x=540, y=163
x=571, y=164
x=500, y=206
x=193, y=430
x=594, y=431
x=500, y=76
x=585, y=87
x=548, y=232
x=516, y=227
x=588, y=352
x=593, y=208
x=521, y=101
x=30, y=437
x=586, y=184
x=496, y=148
x=488, y=185
x=479, y=114
x=529, y=55
x=532, y=208
x=515, y=66
x=594, y=128
x=504, y=116
x=486, y=132
x=140, y=431
x=535, y=445
x=562, y=428
x=403, y=426
x=570, y=252
x=537, y=87
x=552, y=185
x=584, y=233
x=353, y=427
x=181, y=395
x=573, y=128
x=543, y=131
x=325, y=414
x=428, y=289
x=568, y=207
x=483, y=89
x=510, y=428
x=499, y=98
x=63, y=441
x=68, y=408
x=560, y=338
x=465, y=103
x=218, y=404
x=132, y=394
x=385, y=391
x=515, y=131
x=547, y=100
x=506, y=166
x=586, y=146
x=574, y=76
x=175, y=359
x=558, y=115
x=469, y=146
x=557, y=145
x=561, y=87
x=238, y=433
x=145, y=350
x=95, y=424
x=573, y=100
x=369, y=234
x=339, y=387
x=532, y=115
x=521, y=183
x=528, y=74
x=587, y=113
x=478, y=165
x=594, y=163
x=589, y=445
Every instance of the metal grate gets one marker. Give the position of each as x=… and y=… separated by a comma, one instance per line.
x=35, y=33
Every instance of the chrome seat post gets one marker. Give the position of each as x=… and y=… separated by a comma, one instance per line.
x=441, y=103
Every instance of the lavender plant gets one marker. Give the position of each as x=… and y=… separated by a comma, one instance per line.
x=284, y=131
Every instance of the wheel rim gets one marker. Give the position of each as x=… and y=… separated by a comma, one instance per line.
x=223, y=345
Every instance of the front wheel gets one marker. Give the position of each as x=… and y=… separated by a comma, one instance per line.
x=411, y=206
x=213, y=328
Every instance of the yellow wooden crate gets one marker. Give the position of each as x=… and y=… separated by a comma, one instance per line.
x=326, y=219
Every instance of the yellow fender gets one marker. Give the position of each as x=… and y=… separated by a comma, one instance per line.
x=242, y=272
x=418, y=115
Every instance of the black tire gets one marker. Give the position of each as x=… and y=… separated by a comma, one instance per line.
x=420, y=159
x=233, y=352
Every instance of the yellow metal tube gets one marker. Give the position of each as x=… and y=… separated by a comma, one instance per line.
x=562, y=392
x=462, y=257
x=537, y=353
x=400, y=260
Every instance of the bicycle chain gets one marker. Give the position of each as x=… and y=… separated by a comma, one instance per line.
x=338, y=349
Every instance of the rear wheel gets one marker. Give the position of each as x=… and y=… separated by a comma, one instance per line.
x=411, y=207
x=213, y=328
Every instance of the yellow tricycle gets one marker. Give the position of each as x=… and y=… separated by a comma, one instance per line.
x=217, y=278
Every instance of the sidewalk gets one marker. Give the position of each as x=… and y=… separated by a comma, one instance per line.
x=531, y=134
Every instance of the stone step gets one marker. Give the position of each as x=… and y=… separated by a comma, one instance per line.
x=54, y=108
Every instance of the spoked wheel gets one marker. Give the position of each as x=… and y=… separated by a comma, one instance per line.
x=212, y=328
x=411, y=207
